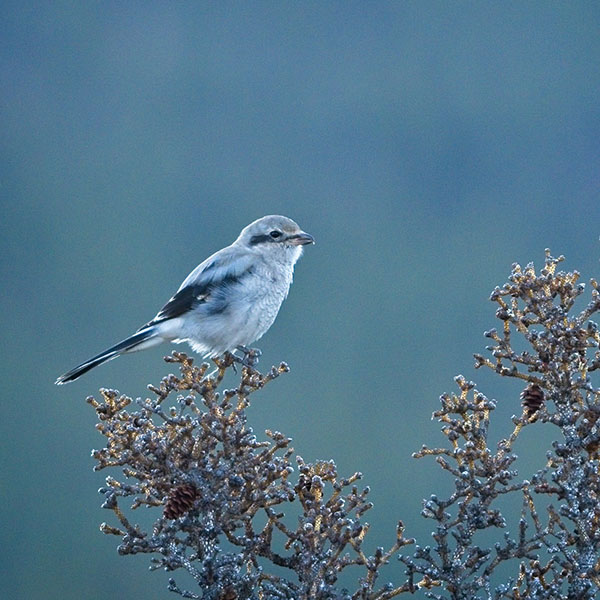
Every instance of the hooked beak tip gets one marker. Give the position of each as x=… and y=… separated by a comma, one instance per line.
x=302, y=239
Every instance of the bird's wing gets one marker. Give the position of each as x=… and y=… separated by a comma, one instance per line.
x=219, y=270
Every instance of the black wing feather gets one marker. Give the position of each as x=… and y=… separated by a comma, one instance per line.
x=183, y=301
x=191, y=296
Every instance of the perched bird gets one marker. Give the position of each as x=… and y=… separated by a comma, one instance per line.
x=228, y=301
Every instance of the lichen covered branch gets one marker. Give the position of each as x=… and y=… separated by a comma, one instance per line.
x=189, y=453
x=556, y=540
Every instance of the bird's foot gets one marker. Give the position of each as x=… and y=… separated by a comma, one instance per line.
x=250, y=356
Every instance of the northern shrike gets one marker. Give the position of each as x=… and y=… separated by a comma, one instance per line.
x=228, y=301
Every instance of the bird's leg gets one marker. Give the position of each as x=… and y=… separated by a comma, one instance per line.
x=250, y=358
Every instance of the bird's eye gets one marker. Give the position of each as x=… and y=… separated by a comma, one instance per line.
x=275, y=234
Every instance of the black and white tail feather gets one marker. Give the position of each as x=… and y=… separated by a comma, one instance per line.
x=229, y=300
x=138, y=341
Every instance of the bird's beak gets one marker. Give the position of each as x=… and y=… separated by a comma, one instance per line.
x=301, y=239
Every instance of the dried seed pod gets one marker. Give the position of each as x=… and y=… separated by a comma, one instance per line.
x=532, y=399
x=180, y=500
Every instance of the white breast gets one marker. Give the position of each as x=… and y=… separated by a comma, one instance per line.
x=255, y=302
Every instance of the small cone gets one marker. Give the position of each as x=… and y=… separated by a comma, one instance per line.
x=228, y=593
x=532, y=399
x=180, y=500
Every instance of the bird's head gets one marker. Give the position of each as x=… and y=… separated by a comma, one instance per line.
x=275, y=235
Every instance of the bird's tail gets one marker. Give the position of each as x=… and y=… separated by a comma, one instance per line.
x=145, y=338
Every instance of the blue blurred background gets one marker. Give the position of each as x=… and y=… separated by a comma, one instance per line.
x=425, y=145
